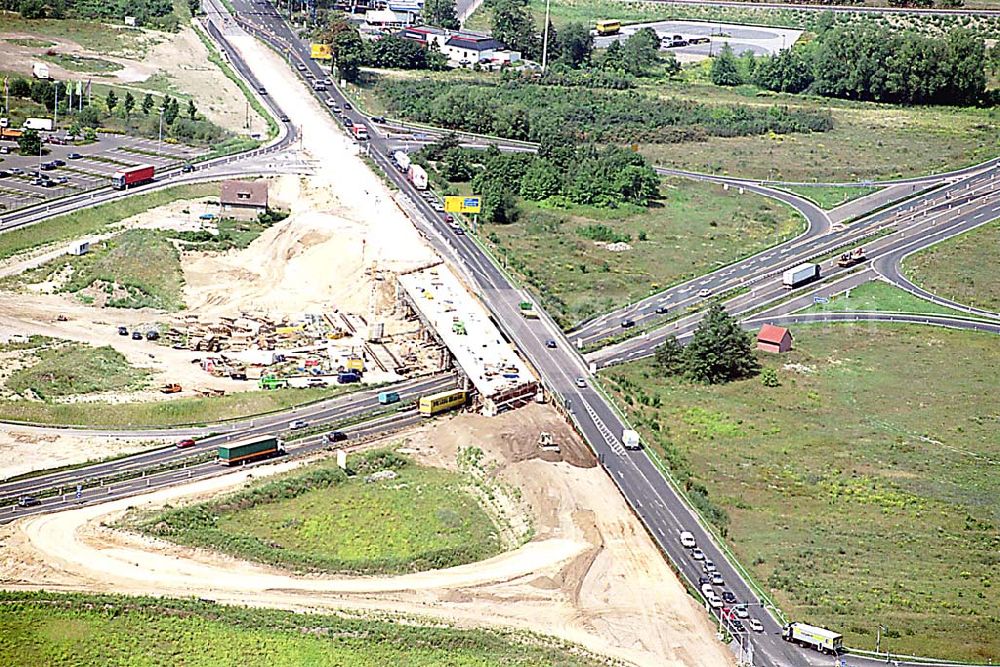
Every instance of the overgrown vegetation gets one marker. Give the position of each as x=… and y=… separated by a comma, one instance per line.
x=880, y=296
x=66, y=629
x=65, y=369
x=962, y=268
x=829, y=197
x=719, y=352
x=153, y=13
x=855, y=518
x=327, y=520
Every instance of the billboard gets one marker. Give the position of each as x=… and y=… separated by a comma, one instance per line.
x=320, y=52
x=462, y=204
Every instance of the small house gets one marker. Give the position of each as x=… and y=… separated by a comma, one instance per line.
x=79, y=248
x=243, y=200
x=774, y=339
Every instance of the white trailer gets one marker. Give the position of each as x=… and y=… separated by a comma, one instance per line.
x=630, y=439
x=800, y=275
x=40, y=70
x=38, y=124
x=417, y=176
x=813, y=637
x=403, y=160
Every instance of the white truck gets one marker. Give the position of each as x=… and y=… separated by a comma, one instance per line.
x=38, y=124
x=40, y=70
x=820, y=639
x=402, y=160
x=630, y=439
x=800, y=275
x=417, y=176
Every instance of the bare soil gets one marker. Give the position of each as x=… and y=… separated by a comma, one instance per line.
x=590, y=575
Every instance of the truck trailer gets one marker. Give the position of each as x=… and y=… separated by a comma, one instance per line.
x=250, y=450
x=820, y=639
x=417, y=176
x=800, y=275
x=126, y=178
x=44, y=124
x=630, y=439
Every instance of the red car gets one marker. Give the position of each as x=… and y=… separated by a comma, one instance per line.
x=185, y=443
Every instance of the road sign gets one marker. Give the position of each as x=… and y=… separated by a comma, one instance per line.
x=463, y=204
x=820, y=299
x=79, y=491
x=320, y=52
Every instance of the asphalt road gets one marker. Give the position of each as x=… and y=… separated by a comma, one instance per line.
x=832, y=8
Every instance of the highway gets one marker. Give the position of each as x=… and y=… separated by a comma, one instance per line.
x=751, y=4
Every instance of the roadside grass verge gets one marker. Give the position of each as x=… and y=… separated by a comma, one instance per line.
x=962, y=268
x=322, y=519
x=164, y=414
x=67, y=629
x=562, y=253
x=827, y=197
x=68, y=369
x=95, y=219
x=880, y=296
x=861, y=491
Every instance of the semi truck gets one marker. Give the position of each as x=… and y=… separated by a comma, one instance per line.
x=40, y=70
x=417, y=176
x=126, y=178
x=820, y=639
x=630, y=439
x=38, y=124
x=360, y=132
x=253, y=449
x=402, y=161
x=800, y=275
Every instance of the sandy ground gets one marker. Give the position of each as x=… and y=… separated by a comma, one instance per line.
x=591, y=575
x=180, y=56
x=26, y=450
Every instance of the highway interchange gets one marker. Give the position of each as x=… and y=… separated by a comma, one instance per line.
x=969, y=200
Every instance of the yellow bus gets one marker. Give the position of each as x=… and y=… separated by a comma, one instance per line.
x=440, y=402
x=608, y=27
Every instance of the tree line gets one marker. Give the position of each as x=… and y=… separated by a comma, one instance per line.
x=872, y=64
x=157, y=13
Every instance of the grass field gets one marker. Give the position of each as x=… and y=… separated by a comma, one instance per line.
x=81, y=63
x=962, y=268
x=92, y=35
x=694, y=228
x=175, y=412
x=319, y=519
x=862, y=491
x=96, y=219
x=830, y=197
x=69, y=369
x=66, y=630
x=880, y=296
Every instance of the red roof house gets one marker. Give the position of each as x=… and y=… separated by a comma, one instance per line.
x=774, y=339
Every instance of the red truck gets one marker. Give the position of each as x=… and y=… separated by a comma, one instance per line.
x=125, y=178
x=360, y=132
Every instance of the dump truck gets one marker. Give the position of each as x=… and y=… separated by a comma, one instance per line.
x=253, y=449
x=820, y=639
x=528, y=310
x=630, y=439
x=800, y=275
x=388, y=397
x=126, y=178
x=417, y=176
x=851, y=258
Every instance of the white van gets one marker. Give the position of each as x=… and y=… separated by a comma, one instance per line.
x=687, y=540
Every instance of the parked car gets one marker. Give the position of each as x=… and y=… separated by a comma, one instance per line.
x=152, y=334
x=262, y=90
x=59, y=163
x=187, y=168
x=378, y=119
x=687, y=540
x=74, y=156
x=714, y=602
x=297, y=424
x=16, y=170
x=698, y=554
x=122, y=331
x=704, y=580
x=188, y=442
x=62, y=180
x=136, y=335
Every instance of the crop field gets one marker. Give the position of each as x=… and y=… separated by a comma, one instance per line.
x=695, y=227
x=880, y=296
x=962, y=268
x=862, y=490
x=827, y=197
x=96, y=219
x=66, y=369
x=66, y=630
x=320, y=519
x=175, y=412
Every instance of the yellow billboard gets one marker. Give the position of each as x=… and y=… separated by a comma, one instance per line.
x=320, y=52
x=462, y=204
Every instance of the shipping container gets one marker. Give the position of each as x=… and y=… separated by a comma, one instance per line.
x=418, y=177
x=126, y=178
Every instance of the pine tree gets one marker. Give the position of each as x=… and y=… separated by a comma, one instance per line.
x=725, y=68
x=669, y=356
x=720, y=350
x=111, y=101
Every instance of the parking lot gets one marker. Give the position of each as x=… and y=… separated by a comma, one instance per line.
x=759, y=40
x=79, y=168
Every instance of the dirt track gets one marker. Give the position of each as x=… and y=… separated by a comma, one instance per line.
x=590, y=575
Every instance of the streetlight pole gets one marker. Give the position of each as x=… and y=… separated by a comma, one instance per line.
x=545, y=39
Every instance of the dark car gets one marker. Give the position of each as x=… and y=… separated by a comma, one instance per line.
x=262, y=90
x=284, y=118
x=348, y=122
x=704, y=580
x=48, y=166
x=347, y=106
x=187, y=168
x=188, y=442
x=662, y=310
x=379, y=119
x=628, y=324
x=550, y=343
x=737, y=626
x=336, y=436
x=152, y=335
x=727, y=596
x=28, y=501
x=122, y=331
x=136, y=335
x=59, y=163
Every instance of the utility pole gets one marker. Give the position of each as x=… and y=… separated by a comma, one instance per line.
x=545, y=38
x=55, y=107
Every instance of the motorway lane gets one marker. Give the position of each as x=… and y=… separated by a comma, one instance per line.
x=774, y=261
x=334, y=411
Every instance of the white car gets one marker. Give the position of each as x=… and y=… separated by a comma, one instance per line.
x=717, y=579
x=581, y=383
x=698, y=554
x=298, y=423
x=708, y=566
x=756, y=625
x=741, y=612
x=687, y=540
x=707, y=590
x=330, y=102
x=704, y=293
x=714, y=602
